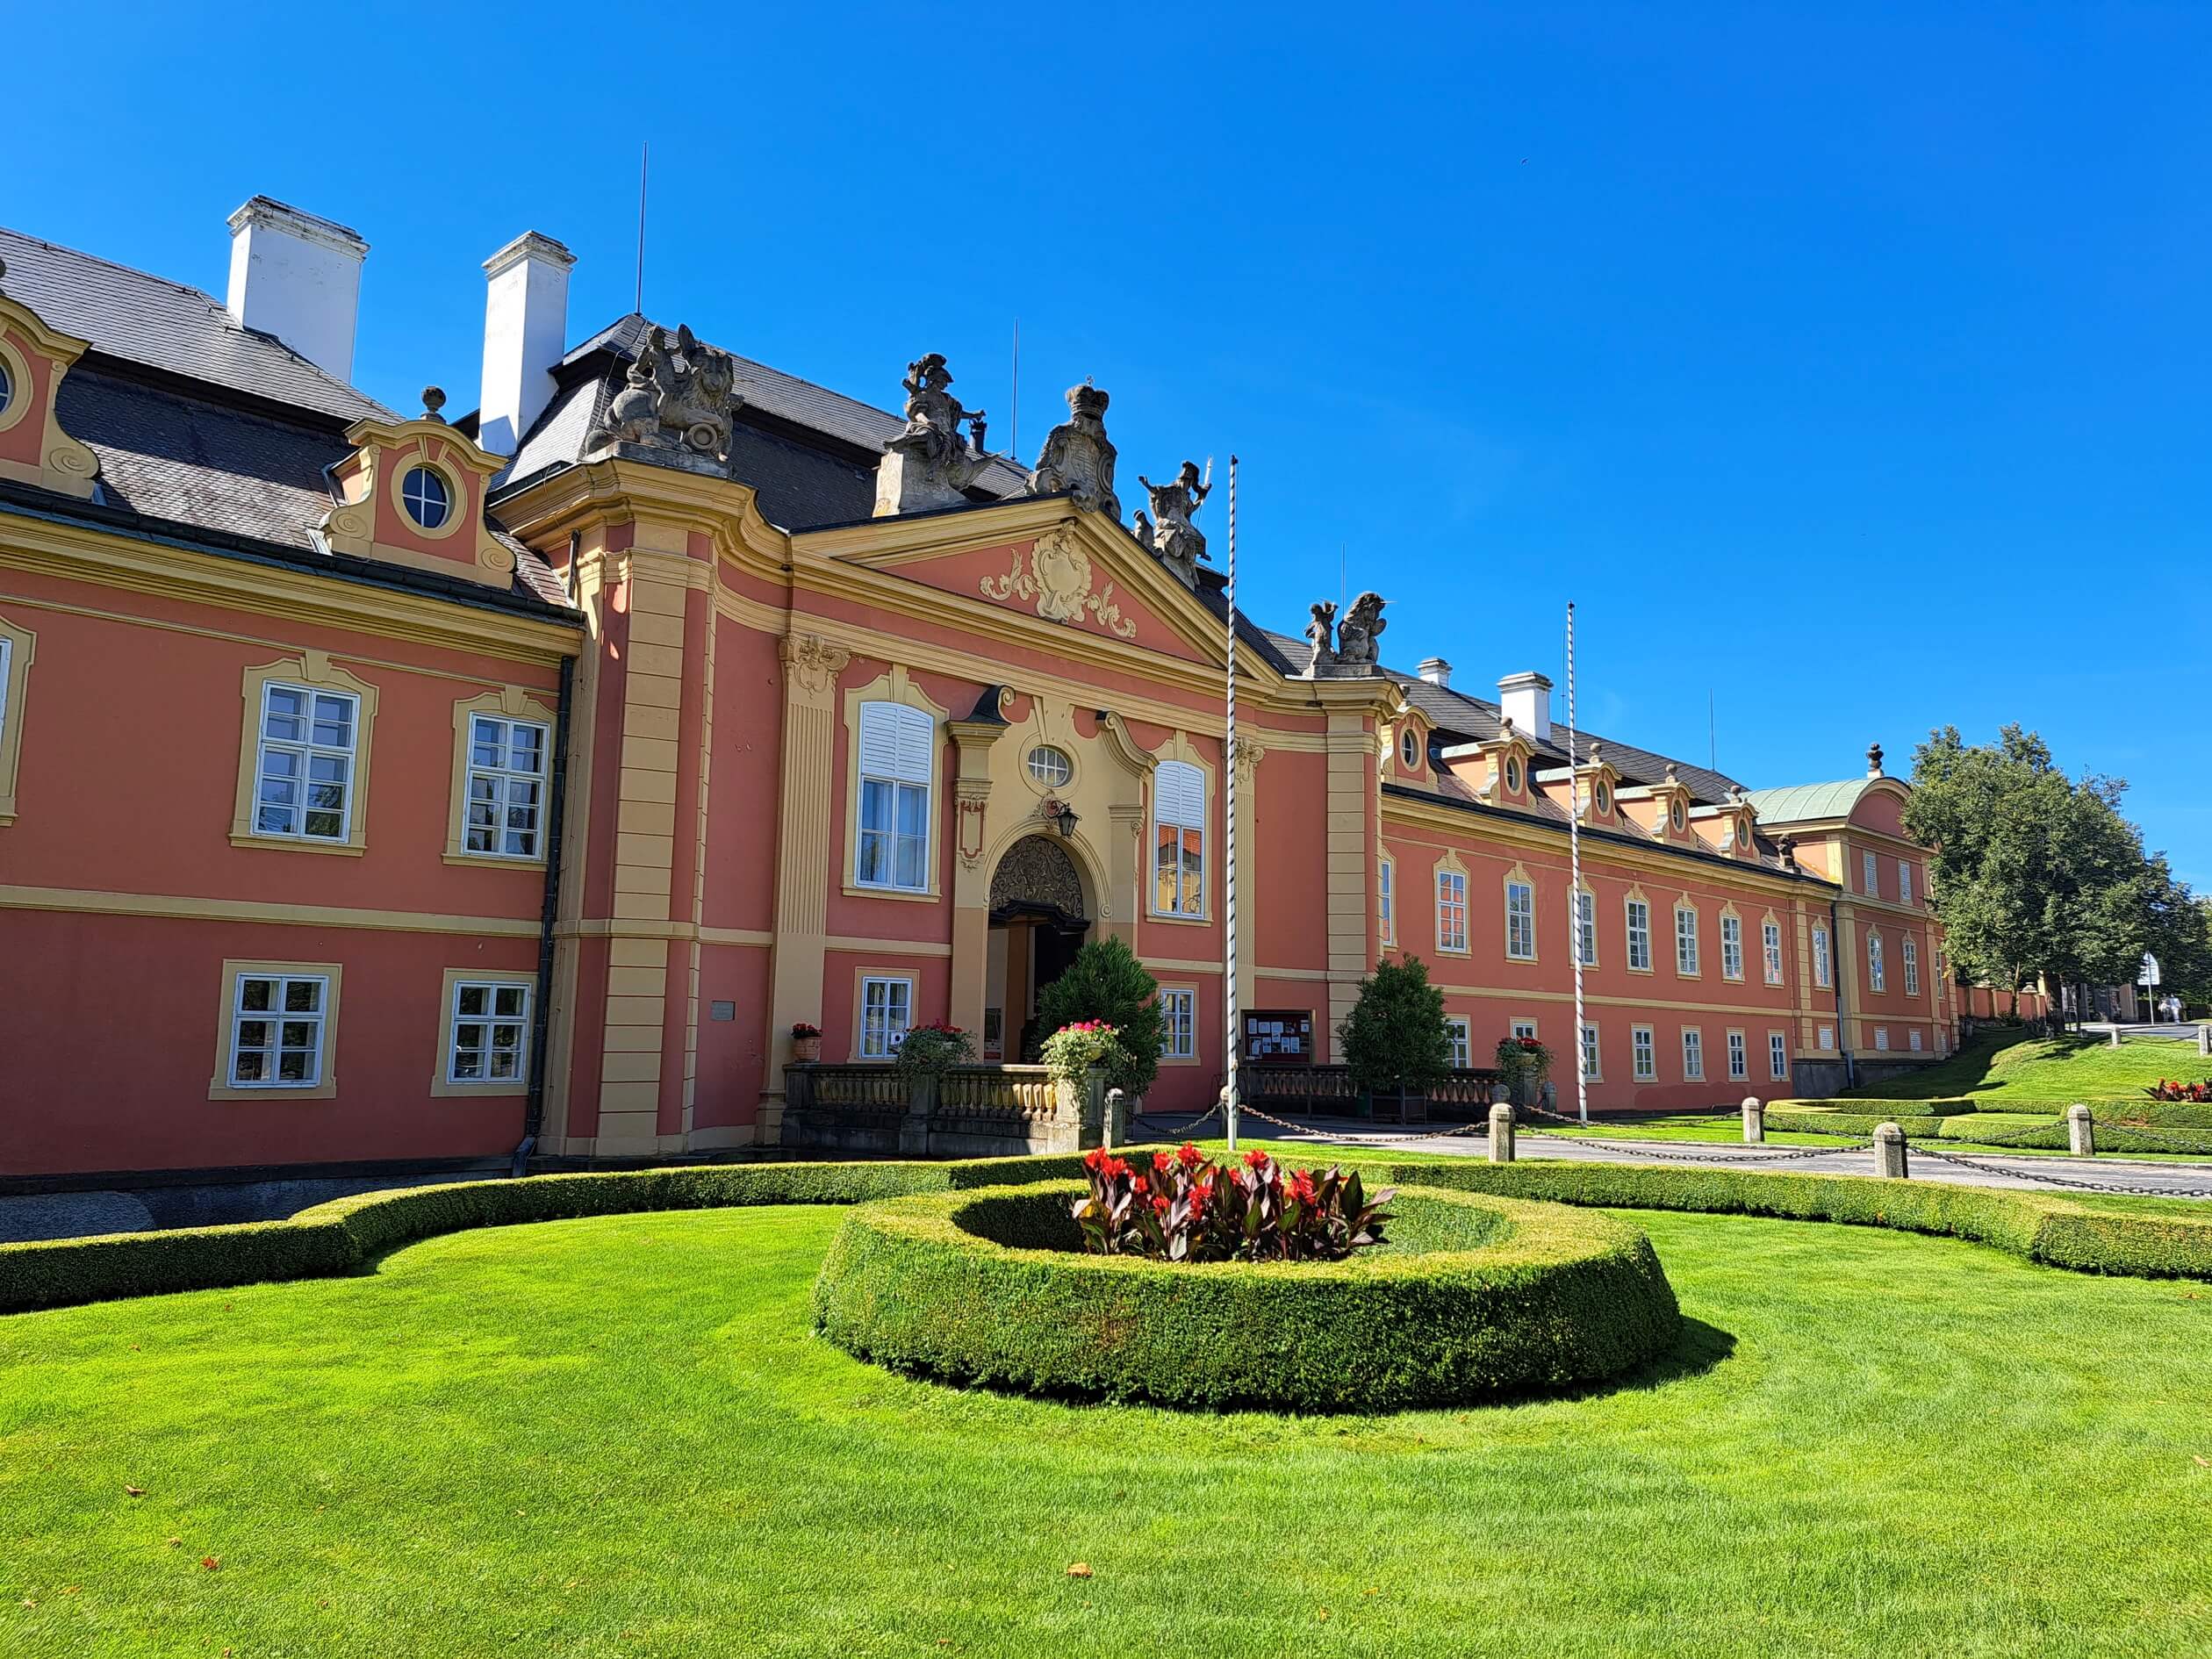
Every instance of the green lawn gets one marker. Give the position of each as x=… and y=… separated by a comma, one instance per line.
x=615, y=1436
x=2012, y=1071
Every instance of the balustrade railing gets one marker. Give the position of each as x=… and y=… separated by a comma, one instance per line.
x=1328, y=1090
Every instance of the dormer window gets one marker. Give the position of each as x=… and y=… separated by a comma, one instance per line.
x=1410, y=749
x=429, y=502
x=1605, y=796
x=1513, y=776
x=7, y=389
x=1743, y=833
x=1677, y=816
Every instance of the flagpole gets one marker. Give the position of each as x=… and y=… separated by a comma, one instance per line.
x=1574, y=863
x=1229, y=863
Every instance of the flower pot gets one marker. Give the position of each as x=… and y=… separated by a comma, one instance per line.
x=805, y=1050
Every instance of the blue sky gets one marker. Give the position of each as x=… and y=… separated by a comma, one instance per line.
x=1849, y=369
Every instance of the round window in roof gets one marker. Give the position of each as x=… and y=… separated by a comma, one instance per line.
x=1513, y=776
x=429, y=502
x=1604, y=797
x=1048, y=767
x=1410, y=749
x=1743, y=833
x=1675, y=816
x=7, y=389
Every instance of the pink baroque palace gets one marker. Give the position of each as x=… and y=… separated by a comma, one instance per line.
x=435, y=790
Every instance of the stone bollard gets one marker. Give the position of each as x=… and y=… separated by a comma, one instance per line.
x=1501, y=1147
x=1754, y=1121
x=2204, y=1037
x=2115, y=1031
x=1114, y=1122
x=2081, y=1132
x=1889, y=1153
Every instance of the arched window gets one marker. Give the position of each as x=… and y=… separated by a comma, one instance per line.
x=1179, y=839
x=898, y=754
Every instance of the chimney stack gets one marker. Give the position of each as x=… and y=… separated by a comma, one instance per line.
x=1525, y=699
x=525, y=334
x=298, y=277
x=1436, y=671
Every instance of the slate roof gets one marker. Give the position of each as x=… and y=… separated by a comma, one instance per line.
x=150, y=320
x=1804, y=803
x=200, y=424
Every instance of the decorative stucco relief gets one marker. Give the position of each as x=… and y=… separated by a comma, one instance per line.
x=1057, y=575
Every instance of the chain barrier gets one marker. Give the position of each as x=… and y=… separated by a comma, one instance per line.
x=1311, y=1133
x=2120, y=1187
x=1645, y=1149
x=1187, y=1132
x=2198, y=1141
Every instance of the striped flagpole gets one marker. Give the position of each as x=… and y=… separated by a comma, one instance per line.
x=1229, y=884
x=1574, y=862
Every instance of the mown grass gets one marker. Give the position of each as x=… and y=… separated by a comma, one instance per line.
x=616, y=1436
x=2013, y=1071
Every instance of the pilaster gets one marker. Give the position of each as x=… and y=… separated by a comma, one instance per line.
x=1349, y=881
x=1250, y=751
x=973, y=739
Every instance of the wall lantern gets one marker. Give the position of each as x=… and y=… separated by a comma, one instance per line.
x=1063, y=817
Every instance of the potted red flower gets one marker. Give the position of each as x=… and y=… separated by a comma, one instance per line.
x=806, y=1042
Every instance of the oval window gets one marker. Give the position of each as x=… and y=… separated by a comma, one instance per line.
x=1743, y=833
x=7, y=389
x=1513, y=776
x=1604, y=797
x=425, y=497
x=1410, y=751
x=1049, y=766
x=1675, y=816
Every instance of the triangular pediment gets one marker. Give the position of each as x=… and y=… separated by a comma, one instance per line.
x=1043, y=559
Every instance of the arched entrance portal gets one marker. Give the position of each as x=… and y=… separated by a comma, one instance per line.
x=1039, y=921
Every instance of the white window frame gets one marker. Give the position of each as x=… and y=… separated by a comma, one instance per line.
x=880, y=1039
x=1770, y=942
x=1187, y=900
x=1739, y=1058
x=1871, y=868
x=1692, y=1054
x=1456, y=1027
x=1643, y=1053
x=1904, y=881
x=501, y=784
x=1686, y=959
x=1451, y=911
x=1590, y=1055
x=494, y=1023
x=279, y=1018
x=1524, y=1028
x=1877, y=969
x=1178, y=1022
x=1386, y=899
x=1520, y=921
x=1909, y=953
x=1913, y=1039
x=907, y=773
x=1778, y=1056
x=1823, y=968
x=307, y=752
x=1638, y=934
x=1828, y=1040
x=1586, y=927
x=1881, y=1038
x=1731, y=947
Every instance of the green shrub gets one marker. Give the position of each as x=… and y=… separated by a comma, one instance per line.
x=1880, y=1110
x=972, y=1287
x=1107, y=982
x=344, y=1234
x=1395, y=1037
x=2043, y=1228
x=1860, y=1124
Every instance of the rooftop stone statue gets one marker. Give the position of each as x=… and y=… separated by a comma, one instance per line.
x=929, y=465
x=1174, y=538
x=678, y=400
x=1077, y=458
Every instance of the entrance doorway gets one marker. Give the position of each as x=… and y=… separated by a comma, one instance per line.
x=1038, y=922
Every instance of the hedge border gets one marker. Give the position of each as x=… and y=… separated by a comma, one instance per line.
x=1552, y=1299
x=2053, y=1231
x=345, y=1234
x=2013, y=1129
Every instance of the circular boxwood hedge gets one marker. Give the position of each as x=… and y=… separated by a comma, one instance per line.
x=1472, y=1297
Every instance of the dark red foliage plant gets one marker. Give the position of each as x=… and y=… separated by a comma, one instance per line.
x=1184, y=1207
x=2168, y=1088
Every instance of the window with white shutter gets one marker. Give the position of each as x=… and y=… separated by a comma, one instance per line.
x=898, y=755
x=1179, y=839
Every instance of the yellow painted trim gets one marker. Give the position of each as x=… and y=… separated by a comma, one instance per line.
x=220, y=1086
x=315, y=670
x=1169, y=965
x=1450, y=864
x=1684, y=902
x=80, y=901
x=511, y=702
x=20, y=381
x=441, y=1087
x=1518, y=873
x=23, y=646
x=887, y=947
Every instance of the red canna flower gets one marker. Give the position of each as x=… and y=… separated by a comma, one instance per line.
x=1160, y=1161
x=1188, y=1156
x=1140, y=1186
x=1093, y=1158
x=1255, y=1159
x=1160, y=1204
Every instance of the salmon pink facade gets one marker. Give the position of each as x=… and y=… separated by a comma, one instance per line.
x=368, y=796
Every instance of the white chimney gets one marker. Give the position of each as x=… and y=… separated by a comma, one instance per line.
x=298, y=277
x=525, y=334
x=1436, y=671
x=1526, y=699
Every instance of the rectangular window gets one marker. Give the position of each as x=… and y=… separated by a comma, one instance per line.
x=1881, y=1036
x=491, y=1032
x=1524, y=1028
x=1451, y=910
x=1520, y=921
x=1820, y=957
x=303, y=779
x=1179, y=839
x=1692, y=1054
x=1911, y=967
x=1771, y=936
x=1777, y=1056
x=7, y=666
x=1645, y=1052
x=1872, y=868
x=1876, y=977
x=1731, y=948
x=1387, y=875
x=898, y=750
x=1915, y=1039
x=1904, y=882
x=1639, y=936
x=277, y=1030
x=887, y=1008
x=1460, y=1052
x=1828, y=1037
x=1739, y=1059
x=1590, y=1067
x=1178, y=1024
x=505, y=786
x=1685, y=940
x=1586, y=927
